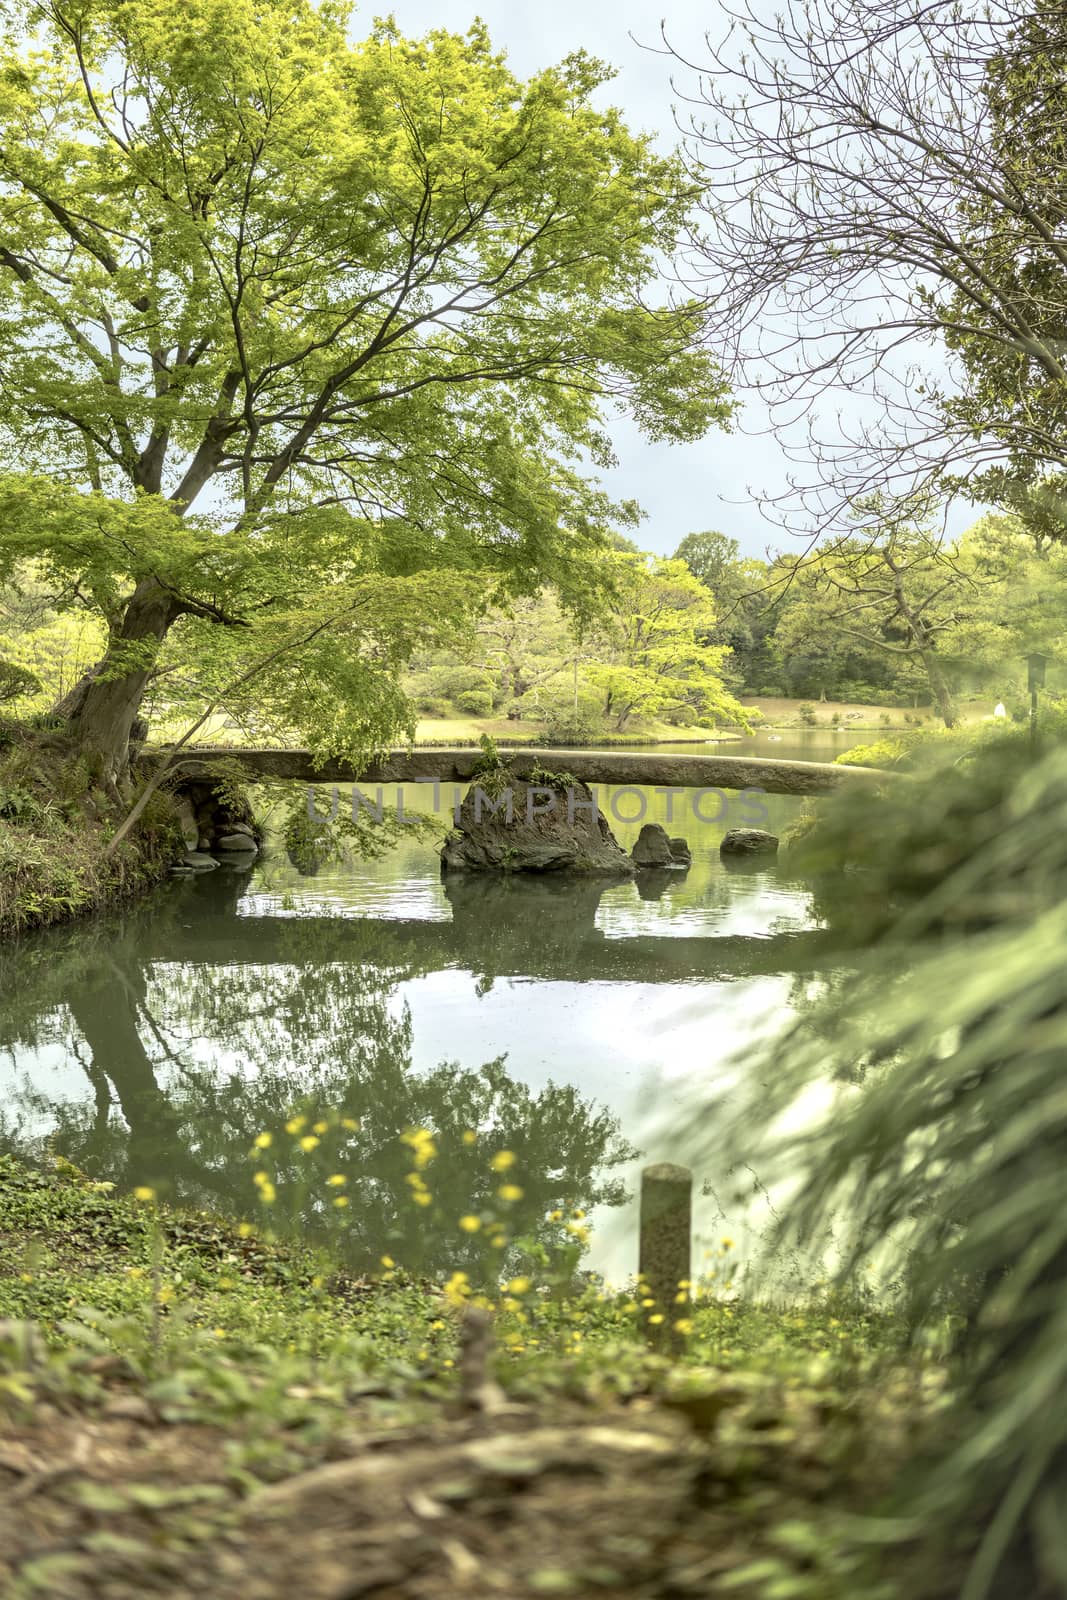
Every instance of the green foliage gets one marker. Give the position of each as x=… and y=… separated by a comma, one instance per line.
x=936, y=1125
x=315, y=830
x=567, y=724
x=651, y=654
x=544, y=778
x=16, y=682
x=248, y=254
x=53, y=829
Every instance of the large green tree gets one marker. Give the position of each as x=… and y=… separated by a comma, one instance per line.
x=652, y=654
x=301, y=339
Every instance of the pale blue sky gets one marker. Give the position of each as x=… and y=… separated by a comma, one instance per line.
x=683, y=488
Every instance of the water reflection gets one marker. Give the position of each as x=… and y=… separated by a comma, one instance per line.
x=184, y=1065
x=154, y=1046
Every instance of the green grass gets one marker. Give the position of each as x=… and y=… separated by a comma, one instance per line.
x=263, y=1360
x=157, y=1282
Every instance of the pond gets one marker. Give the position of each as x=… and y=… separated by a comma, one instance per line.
x=571, y=1022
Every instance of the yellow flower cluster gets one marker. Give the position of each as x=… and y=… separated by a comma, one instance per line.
x=267, y=1192
x=457, y=1289
x=422, y=1146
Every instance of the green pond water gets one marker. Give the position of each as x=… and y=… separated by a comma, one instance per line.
x=578, y=1019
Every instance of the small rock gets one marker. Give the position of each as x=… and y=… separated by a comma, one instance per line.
x=199, y=861
x=748, y=842
x=680, y=851
x=653, y=848
x=235, y=842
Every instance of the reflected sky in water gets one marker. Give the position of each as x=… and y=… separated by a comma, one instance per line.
x=154, y=1045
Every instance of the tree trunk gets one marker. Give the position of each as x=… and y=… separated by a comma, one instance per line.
x=946, y=708
x=111, y=698
x=925, y=646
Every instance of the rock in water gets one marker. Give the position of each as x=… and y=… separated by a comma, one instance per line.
x=527, y=827
x=748, y=842
x=681, y=852
x=653, y=848
x=198, y=861
x=237, y=843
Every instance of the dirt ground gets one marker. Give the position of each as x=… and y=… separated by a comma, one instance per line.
x=109, y=1501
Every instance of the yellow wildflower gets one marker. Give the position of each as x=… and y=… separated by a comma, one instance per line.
x=351, y=1123
x=656, y=1317
x=244, y=1229
x=308, y=1143
x=683, y=1325
x=320, y=1127
x=470, y=1224
x=469, y=1136
x=423, y=1198
x=509, y=1191
x=295, y=1124
x=421, y=1143
x=337, y=1180
x=503, y=1160
x=341, y=1202
x=387, y=1261
x=519, y=1286
x=457, y=1289
x=143, y=1192
x=263, y=1141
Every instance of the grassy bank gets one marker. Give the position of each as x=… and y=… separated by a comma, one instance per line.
x=771, y=712
x=188, y=1407
x=55, y=822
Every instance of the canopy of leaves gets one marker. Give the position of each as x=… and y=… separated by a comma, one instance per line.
x=654, y=653
x=283, y=316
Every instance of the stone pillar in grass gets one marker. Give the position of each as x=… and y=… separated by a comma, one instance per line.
x=665, y=1253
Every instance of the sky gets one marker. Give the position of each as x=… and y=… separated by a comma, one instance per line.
x=683, y=488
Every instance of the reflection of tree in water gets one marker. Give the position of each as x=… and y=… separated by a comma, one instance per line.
x=188, y=1064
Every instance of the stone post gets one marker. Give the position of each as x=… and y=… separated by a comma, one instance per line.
x=665, y=1251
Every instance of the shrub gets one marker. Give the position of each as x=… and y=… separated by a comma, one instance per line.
x=476, y=702
x=16, y=681
x=806, y=713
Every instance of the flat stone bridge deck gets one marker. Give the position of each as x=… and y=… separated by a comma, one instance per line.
x=614, y=767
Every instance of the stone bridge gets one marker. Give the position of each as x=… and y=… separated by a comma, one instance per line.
x=613, y=767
